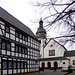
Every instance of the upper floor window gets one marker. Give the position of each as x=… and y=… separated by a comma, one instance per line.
x=22, y=65
x=26, y=38
x=4, y=64
x=0, y=40
x=0, y=43
x=20, y=36
x=3, y=44
x=7, y=29
x=23, y=37
x=51, y=45
x=51, y=52
x=8, y=45
x=23, y=50
x=26, y=50
x=17, y=34
x=16, y=48
x=63, y=62
x=20, y=49
x=14, y=64
x=18, y=64
x=10, y=64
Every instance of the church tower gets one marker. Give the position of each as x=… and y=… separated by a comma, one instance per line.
x=41, y=35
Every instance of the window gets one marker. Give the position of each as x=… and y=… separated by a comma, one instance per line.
x=7, y=29
x=26, y=65
x=3, y=44
x=25, y=38
x=51, y=52
x=26, y=50
x=73, y=62
x=21, y=64
x=4, y=64
x=51, y=45
x=17, y=34
x=8, y=46
x=21, y=36
x=18, y=64
x=63, y=62
x=19, y=49
x=14, y=64
x=23, y=51
x=0, y=43
x=10, y=64
x=16, y=48
x=0, y=40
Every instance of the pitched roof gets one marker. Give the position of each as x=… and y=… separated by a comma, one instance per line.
x=69, y=53
x=54, y=58
x=15, y=22
x=56, y=42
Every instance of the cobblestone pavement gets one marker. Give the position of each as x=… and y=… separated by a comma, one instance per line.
x=51, y=72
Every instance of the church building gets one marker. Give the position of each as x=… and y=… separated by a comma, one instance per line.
x=19, y=47
x=52, y=53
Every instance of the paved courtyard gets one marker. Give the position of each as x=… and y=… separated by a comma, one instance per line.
x=51, y=72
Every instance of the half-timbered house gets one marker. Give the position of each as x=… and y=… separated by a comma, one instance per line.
x=19, y=47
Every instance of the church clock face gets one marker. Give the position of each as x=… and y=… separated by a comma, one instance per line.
x=38, y=34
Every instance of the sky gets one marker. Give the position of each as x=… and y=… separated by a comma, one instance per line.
x=25, y=12
x=22, y=10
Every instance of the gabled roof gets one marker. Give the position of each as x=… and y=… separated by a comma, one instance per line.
x=54, y=58
x=15, y=22
x=56, y=42
x=69, y=53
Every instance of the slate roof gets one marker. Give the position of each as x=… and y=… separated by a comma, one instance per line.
x=54, y=58
x=15, y=22
x=69, y=53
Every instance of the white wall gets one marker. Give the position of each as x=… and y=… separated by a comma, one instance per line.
x=59, y=50
x=60, y=63
x=71, y=60
x=41, y=47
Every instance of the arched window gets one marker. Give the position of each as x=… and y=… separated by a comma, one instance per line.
x=55, y=64
x=42, y=64
x=48, y=64
x=73, y=62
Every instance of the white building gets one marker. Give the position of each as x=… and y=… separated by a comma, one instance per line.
x=53, y=54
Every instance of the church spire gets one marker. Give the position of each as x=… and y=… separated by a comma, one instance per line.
x=41, y=23
x=41, y=33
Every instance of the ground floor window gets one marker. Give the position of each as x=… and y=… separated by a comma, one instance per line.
x=73, y=62
x=14, y=64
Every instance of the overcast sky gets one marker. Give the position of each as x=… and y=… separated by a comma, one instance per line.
x=26, y=13
x=22, y=10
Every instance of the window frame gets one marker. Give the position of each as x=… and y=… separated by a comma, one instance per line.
x=7, y=28
x=52, y=52
x=8, y=44
x=3, y=46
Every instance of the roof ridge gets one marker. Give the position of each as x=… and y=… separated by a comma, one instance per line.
x=15, y=22
x=56, y=42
